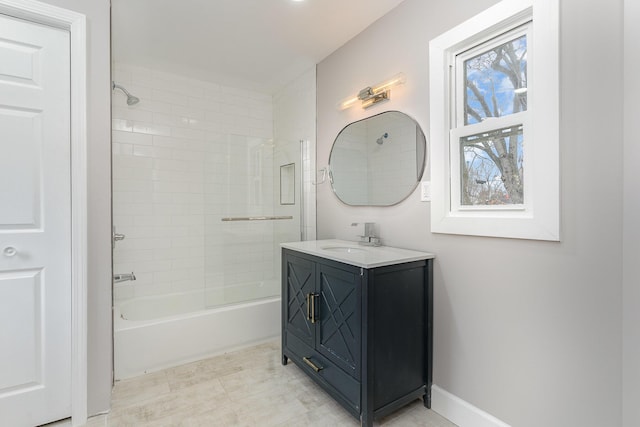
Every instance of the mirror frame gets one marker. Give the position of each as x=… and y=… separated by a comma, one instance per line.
x=420, y=172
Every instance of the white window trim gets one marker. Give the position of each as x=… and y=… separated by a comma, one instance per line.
x=540, y=218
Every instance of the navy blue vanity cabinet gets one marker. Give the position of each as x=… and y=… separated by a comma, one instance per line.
x=364, y=335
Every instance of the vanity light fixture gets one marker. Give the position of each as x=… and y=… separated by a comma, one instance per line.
x=371, y=95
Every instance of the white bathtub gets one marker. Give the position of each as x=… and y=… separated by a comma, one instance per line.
x=154, y=333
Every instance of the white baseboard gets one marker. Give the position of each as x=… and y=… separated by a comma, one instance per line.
x=460, y=412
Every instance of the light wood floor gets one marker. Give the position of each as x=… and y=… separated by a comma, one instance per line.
x=245, y=388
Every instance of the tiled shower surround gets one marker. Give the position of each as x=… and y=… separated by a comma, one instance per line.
x=188, y=155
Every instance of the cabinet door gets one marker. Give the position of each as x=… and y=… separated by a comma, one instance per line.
x=300, y=283
x=338, y=311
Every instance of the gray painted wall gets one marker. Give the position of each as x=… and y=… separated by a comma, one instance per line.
x=99, y=201
x=631, y=270
x=535, y=339
x=528, y=331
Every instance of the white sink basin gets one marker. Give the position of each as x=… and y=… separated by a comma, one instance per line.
x=344, y=249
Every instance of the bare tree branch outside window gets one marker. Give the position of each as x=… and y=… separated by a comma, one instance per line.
x=492, y=163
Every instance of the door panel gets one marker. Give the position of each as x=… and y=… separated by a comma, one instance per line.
x=338, y=336
x=20, y=171
x=35, y=223
x=21, y=351
x=300, y=276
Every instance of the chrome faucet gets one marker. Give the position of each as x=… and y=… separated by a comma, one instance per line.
x=117, y=278
x=370, y=238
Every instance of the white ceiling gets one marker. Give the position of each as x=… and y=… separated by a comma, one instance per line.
x=253, y=44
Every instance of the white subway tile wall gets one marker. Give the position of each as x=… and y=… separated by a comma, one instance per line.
x=193, y=152
x=187, y=155
x=294, y=112
x=398, y=148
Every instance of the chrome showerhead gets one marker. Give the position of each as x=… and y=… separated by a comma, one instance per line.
x=380, y=140
x=131, y=100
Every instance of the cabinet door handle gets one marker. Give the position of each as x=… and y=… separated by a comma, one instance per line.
x=308, y=306
x=312, y=365
x=313, y=308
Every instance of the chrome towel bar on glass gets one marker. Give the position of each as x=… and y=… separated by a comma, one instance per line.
x=256, y=218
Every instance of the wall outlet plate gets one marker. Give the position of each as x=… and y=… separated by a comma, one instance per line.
x=425, y=191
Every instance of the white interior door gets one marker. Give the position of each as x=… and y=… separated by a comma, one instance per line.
x=35, y=224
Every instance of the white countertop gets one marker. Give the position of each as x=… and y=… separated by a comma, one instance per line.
x=359, y=255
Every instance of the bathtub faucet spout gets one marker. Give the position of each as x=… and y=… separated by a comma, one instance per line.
x=117, y=278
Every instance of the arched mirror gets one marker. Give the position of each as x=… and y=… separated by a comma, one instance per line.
x=377, y=161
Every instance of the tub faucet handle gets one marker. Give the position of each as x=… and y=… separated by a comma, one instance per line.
x=116, y=236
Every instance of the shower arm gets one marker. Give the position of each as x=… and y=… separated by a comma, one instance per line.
x=117, y=86
x=131, y=100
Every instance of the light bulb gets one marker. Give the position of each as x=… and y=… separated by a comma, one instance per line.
x=396, y=80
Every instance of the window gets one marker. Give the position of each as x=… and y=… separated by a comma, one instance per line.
x=494, y=123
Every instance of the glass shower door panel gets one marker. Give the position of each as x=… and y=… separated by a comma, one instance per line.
x=242, y=249
x=286, y=153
